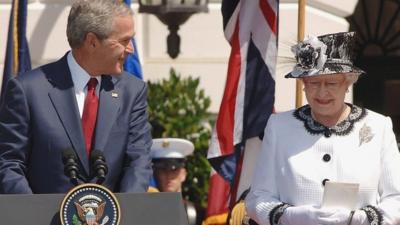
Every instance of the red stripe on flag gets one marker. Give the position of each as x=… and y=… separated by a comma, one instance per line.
x=226, y=117
x=269, y=15
x=218, y=196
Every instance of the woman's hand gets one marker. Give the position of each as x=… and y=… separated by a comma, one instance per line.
x=340, y=216
x=303, y=215
x=335, y=216
x=309, y=215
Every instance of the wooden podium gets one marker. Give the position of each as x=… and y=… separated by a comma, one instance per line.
x=136, y=209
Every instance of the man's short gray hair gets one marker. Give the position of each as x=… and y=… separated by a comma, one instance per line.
x=94, y=16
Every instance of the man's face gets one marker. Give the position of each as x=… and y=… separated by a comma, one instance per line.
x=110, y=55
x=170, y=180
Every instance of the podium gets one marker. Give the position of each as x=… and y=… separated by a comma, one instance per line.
x=136, y=209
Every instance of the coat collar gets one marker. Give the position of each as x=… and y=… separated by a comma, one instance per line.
x=343, y=128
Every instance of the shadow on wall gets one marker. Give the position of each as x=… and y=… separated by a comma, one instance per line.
x=44, y=27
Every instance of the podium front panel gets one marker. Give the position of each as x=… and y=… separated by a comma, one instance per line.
x=136, y=209
x=152, y=209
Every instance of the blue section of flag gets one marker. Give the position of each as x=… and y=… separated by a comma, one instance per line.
x=153, y=182
x=132, y=62
x=227, y=9
x=16, y=50
x=225, y=166
x=259, y=95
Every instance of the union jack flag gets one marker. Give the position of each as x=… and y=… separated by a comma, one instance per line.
x=251, y=28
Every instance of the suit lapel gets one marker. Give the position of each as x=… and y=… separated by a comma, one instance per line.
x=63, y=99
x=107, y=113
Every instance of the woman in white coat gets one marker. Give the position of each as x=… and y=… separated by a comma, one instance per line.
x=326, y=140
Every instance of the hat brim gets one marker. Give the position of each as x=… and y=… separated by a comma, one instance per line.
x=168, y=163
x=330, y=69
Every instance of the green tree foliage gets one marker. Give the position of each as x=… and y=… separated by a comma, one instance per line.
x=179, y=109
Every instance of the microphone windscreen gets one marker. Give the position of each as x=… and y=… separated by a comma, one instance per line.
x=96, y=154
x=68, y=153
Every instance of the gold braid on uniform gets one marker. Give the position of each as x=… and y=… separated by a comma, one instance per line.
x=276, y=213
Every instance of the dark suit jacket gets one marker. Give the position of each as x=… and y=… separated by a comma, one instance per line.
x=39, y=118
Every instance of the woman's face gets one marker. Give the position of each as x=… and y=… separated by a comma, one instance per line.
x=325, y=94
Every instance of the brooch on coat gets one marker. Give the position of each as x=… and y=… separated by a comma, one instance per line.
x=365, y=134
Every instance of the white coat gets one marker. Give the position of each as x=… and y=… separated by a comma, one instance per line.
x=293, y=164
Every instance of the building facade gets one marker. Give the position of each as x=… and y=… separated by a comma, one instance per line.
x=204, y=50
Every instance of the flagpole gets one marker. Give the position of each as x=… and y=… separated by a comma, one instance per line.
x=300, y=37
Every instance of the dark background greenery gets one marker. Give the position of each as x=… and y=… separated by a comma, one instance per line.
x=178, y=108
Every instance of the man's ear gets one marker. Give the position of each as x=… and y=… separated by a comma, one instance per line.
x=91, y=40
x=184, y=174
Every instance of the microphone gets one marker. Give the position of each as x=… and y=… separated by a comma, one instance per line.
x=71, y=169
x=99, y=165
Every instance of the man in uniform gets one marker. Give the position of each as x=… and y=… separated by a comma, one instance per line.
x=169, y=158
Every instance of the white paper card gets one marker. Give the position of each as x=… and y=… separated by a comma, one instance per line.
x=344, y=195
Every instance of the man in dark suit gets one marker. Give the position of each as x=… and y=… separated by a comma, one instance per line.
x=84, y=101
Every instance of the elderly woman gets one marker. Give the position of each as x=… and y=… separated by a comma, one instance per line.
x=326, y=140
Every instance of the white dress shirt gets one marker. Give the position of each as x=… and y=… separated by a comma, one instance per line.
x=80, y=79
x=293, y=164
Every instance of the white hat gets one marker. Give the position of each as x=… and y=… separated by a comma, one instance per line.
x=171, y=148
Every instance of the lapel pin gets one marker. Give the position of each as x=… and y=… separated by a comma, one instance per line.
x=114, y=95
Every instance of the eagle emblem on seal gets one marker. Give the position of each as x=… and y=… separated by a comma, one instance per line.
x=90, y=215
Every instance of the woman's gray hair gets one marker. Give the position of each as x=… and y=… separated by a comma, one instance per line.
x=94, y=16
x=351, y=78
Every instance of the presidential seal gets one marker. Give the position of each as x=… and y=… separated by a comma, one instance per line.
x=90, y=204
